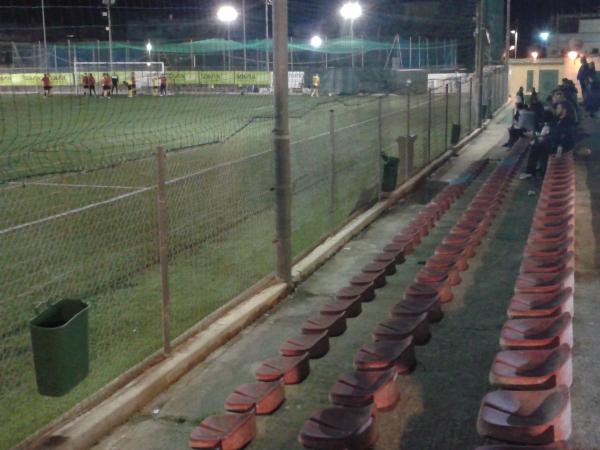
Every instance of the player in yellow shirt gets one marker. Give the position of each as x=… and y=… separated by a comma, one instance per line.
x=316, y=82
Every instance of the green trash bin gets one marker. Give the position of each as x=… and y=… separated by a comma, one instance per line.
x=59, y=338
x=390, y=173
x=455, y=137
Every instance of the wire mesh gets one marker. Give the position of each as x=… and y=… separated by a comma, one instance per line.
x=78, y=173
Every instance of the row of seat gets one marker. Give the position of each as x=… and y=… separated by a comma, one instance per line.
x=357, y=396
x=237, y=428
x=533, y=371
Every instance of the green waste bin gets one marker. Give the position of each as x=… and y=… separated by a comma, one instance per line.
x=59, y=338
x=455, y=138
x=390, y=173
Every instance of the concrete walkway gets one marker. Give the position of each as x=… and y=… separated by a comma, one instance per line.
x=586, y=354
x=440, y=400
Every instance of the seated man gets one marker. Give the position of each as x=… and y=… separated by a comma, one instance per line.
x=524, y=121
x=557, y=136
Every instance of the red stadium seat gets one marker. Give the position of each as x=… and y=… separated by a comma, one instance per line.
x=261, y=397
x=536, y=334
x=400, y=328
x=224, y=432
x=385, y=354
x=361, y=388
x=316, y=345
x=333, y=324
x=293, y=369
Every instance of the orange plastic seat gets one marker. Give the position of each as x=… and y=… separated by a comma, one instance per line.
x=224, y=432
x=532, y=369
x=538, y=333
x=526, y=417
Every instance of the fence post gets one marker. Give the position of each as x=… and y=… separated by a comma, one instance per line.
x=470, y=105
x=163, y=236
x=408, y=158
x=460, y=104
x=281, y=142
x=332, y=178
x=447, y=117
x=380, y=146
x=429, y=119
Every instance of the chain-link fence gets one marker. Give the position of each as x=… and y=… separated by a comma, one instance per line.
x=81, y=213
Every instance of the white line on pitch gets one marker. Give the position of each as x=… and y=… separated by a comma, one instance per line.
x=98, y=186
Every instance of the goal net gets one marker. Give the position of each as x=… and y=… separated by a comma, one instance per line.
x=144, y=73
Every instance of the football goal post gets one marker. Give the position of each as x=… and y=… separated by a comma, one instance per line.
x=143, y=72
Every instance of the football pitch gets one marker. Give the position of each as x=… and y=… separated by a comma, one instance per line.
x=78, y=201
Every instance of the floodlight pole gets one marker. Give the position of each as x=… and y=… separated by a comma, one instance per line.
x=480, y=62
x=352, y=40
x=110, y=47
x=267, y=35
x=45, y=37
x=244, y=33
x=507, y=37
x=281, y=142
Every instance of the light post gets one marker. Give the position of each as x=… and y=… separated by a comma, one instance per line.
x=544, y=36
x=316, y=42
x=267, y=3
x=44, y=31
x=351, y=11
x=516, y=33
x=149, y=50
x=108, y=4
x=228, y=14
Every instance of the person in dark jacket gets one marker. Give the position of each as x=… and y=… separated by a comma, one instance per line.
x=592, y=101
x=583, y=76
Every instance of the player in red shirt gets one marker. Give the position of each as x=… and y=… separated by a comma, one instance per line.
x=86, y=83
x=106, y=83
x=92, y=84
x=163, y=84
x=47, y=85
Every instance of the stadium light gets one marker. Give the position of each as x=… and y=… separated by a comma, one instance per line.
x=535, y=55
x=227, y=14
x=316, y=41
x=149, y=47
x=351, y=10
x=573, y=55
x=511, y=48
x=544, y=35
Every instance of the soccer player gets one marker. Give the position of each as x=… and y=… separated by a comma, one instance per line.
x=131, y=86
x=47, y=85
x=115, y=84
x=92, y=84
x=86, y=83
x=316, y=82
x=106, y=83
x=163, y=84
x=154, y=86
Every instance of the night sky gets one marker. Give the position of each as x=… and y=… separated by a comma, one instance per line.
x=178, y=20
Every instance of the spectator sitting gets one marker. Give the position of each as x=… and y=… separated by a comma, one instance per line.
x=524, y=121
x=564, y=132
x=537, y=108
x=520, y=97
x=541, y=148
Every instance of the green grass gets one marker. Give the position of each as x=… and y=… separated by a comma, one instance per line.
x=221, y=221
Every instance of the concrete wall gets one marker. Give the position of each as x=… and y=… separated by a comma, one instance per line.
x=518, y=72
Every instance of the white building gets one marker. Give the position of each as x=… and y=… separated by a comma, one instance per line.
x=580, y=34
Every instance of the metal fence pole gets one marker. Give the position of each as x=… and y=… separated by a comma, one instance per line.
x=447, y=117
x=459, y=121
x=281, y=141
x=332, y=180
x=429, y=120
x=470, y=105
x=408, y=157
x=163, y=254
x=378, y=168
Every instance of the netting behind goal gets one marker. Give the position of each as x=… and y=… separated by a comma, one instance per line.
x=145, y=74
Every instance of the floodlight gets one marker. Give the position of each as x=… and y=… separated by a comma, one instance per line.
x=513, y=31
x=544, y=35
x=572, y=55
x=535, y=55
x=149, y=47
x=511, y=48
x=316, y=41
x=351, y=10
x=227, y=14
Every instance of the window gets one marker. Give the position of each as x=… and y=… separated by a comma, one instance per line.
x=529, y=80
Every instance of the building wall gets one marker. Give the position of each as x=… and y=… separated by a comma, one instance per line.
x=518, y=72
